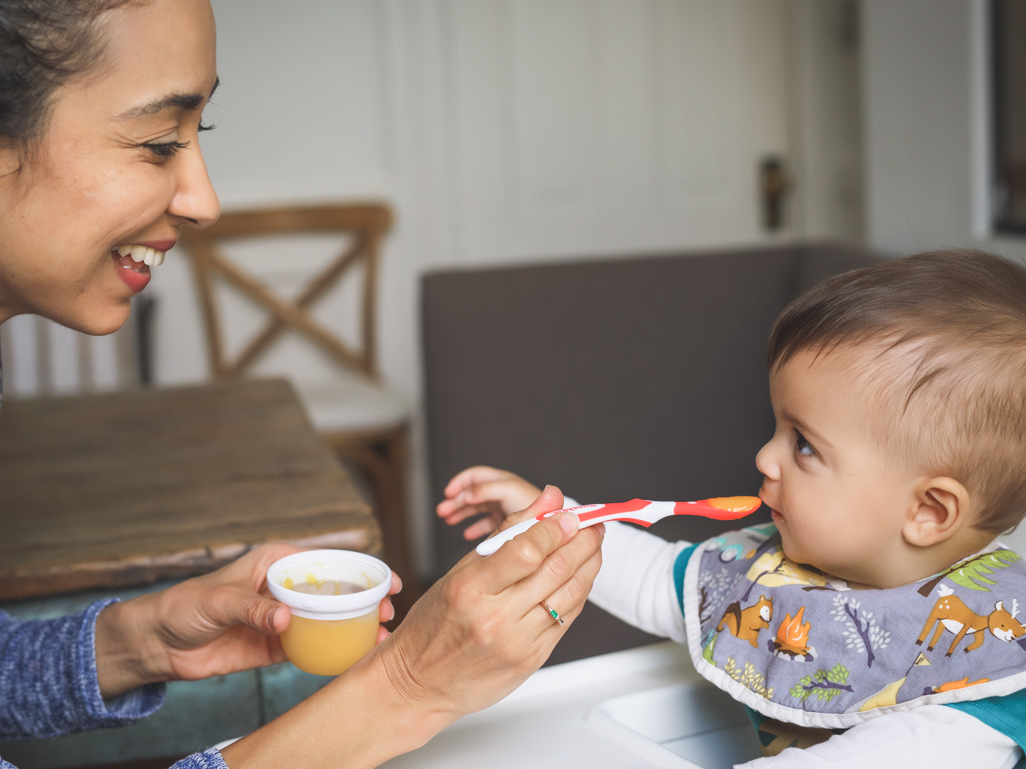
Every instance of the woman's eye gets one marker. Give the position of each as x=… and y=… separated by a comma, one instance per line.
x=802, y=446
x=165, y=150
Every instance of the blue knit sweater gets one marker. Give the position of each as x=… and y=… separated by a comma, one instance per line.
x=48, y=684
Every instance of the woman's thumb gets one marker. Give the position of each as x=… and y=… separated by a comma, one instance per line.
x=264, y=615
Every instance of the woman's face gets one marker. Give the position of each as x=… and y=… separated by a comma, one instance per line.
x=119, y=165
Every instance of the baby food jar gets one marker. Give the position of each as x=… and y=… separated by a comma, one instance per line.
x=334, y=597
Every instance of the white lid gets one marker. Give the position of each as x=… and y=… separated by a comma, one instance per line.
x=344, y=565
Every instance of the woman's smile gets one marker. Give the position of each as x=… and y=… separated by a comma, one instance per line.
x=135, y=259
x=120, y=169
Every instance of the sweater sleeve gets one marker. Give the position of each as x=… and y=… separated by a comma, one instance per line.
x=208, y=759
x=49, y=684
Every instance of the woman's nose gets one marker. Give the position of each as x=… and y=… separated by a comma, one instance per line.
x=195, y=201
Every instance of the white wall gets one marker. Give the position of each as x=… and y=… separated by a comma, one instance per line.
x=925, y=101
x=826, y=120
x=513, y=130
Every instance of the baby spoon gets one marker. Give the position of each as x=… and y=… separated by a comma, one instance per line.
x=640, y=511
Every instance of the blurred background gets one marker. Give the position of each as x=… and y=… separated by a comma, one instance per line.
x=507, y=132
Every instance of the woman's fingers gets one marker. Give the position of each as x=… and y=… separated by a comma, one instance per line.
x=252, y=567
x=386, y=612
x=471, y=639
x=568, y=599
x=561, y=571
x=396, y=586
x=524, y=554
x=230, y=606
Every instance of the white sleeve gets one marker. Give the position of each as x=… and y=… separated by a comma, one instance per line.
x=933, y=736
x=636, y=581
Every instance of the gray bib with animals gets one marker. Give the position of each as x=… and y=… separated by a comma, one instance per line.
x=802, y=647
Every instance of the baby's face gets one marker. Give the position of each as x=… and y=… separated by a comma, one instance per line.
x=837, y=500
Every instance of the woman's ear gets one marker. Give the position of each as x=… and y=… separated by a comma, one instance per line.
x=10, y=161
x=940, y=509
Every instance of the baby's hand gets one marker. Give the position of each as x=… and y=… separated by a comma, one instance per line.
x=497, y=493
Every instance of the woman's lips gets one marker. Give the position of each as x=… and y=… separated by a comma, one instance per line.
x=135, y=274
x=775, y=515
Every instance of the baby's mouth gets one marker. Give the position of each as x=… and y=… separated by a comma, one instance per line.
x=137, y=258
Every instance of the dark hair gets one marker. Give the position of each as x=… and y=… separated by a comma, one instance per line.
x=43, y=43
x=949, y=329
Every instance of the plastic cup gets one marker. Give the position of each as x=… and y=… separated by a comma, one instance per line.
x=329, y=633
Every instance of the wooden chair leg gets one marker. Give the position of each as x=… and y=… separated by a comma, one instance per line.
x=382, y=458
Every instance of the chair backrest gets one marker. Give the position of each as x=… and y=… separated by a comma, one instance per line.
x=41, y=358
x=366, y=223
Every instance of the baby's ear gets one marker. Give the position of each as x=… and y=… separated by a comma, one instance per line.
x=940, y=509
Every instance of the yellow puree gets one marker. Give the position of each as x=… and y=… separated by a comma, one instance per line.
x=328, y=647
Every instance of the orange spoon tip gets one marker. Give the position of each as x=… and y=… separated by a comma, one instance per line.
x=735, y=504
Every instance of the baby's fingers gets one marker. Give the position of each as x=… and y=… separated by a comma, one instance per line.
x=457, y=508
x=472, y=476
x=480, y=528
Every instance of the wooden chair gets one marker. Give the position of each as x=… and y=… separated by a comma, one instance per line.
x=363, y=421
x=41, y=358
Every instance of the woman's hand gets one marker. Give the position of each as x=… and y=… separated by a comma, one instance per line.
x=481, y=489
x=474, y=637
x=220, y=623
x=482, y=629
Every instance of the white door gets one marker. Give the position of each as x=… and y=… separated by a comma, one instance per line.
x=581, y=127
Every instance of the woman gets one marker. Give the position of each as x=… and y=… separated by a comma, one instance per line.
x=100, y=111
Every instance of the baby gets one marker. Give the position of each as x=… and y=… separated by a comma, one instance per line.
x=876, y=621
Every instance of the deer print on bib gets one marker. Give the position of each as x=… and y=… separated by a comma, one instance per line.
x=951, y=614
x=800, y=646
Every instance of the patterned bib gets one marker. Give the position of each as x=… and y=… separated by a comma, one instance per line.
x=802, y=647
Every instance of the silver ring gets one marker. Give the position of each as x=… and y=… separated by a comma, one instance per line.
x=553, y=613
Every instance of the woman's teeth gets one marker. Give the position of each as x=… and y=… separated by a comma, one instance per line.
x=148, y=256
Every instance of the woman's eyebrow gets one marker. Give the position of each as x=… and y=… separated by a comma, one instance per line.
x=185, y=101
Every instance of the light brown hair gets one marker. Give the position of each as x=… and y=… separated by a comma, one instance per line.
x=949, y=330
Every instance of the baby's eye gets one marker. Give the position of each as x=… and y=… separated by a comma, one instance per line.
x=802, y=446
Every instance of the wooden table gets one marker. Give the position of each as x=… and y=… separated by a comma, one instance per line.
x=129, y=488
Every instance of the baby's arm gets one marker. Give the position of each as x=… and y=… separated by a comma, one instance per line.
x=636, y=580
x=933, y=736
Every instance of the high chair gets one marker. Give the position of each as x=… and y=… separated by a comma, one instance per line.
x=363, y=420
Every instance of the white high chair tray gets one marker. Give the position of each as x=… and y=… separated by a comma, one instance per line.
x=644, y=707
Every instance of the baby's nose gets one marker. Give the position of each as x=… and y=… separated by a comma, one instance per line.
x=765, y=463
